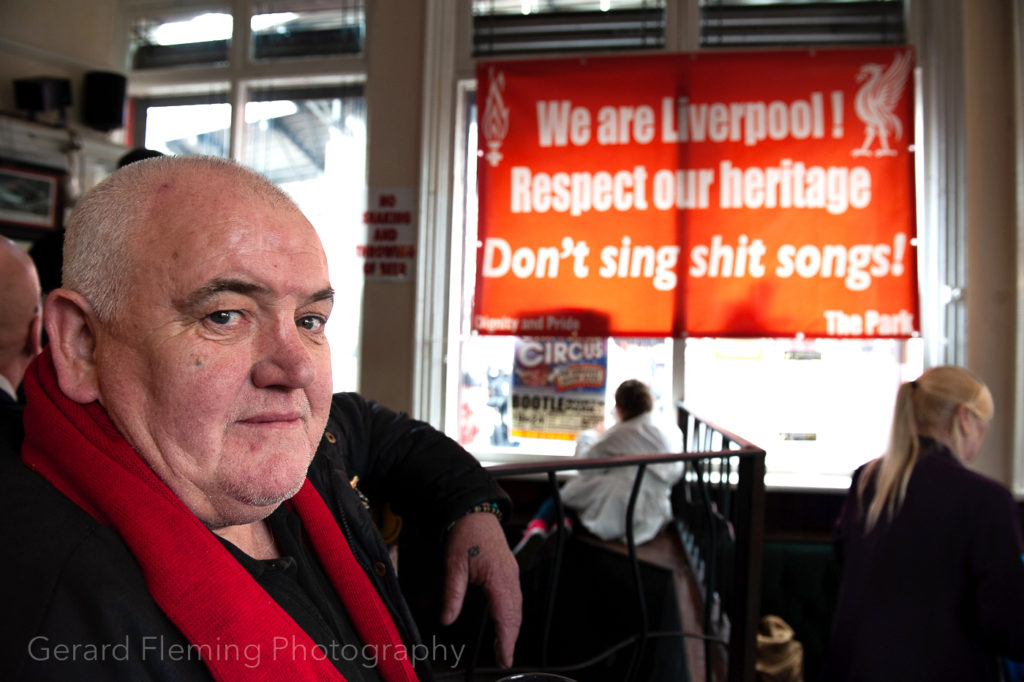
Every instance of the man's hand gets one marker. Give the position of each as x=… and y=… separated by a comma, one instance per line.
x=478, y=552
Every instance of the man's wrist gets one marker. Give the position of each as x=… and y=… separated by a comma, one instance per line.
x=483, y=507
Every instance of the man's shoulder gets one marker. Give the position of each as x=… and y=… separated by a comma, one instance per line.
x=49, y=539
x=350, y=408
x=70, y=579
x=33, y=510
x=350, y=412
x=349, y=402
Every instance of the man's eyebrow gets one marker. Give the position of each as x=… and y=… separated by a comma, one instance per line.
x=204, y=293
x=325, y=294
x=211, y=289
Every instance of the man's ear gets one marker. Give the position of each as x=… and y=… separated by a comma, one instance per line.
x=70, y=326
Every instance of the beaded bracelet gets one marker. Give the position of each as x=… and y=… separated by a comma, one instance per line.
x=488, y=507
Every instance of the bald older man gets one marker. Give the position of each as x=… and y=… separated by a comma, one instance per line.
x=189, y=508
x=20, y=331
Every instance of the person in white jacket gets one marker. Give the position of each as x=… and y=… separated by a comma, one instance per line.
x=598, y=497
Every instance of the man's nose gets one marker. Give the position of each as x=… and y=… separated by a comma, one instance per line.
x=284, y=359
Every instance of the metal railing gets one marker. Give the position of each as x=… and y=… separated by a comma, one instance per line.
x=718, y=512
x=722, y=493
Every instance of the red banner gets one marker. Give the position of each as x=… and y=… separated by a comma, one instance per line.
x=724, y=194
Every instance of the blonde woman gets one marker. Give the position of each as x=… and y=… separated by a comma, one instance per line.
x=933, y=582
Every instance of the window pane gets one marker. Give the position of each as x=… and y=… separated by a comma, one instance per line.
x=294, y=29
x=741, y=23
x=202, y=128
x=507, y=27
x=312, y=144
x=199, y=39
x=819, y=407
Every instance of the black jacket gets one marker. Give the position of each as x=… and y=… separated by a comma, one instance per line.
x=77, y=607
x=11, y=433
x=937, y=593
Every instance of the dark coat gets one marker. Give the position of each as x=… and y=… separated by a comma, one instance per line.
x=11, y=430
x=938, y=592
x=66, y=579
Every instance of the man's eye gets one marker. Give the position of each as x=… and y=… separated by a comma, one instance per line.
x=224, y=317
x=313, y=323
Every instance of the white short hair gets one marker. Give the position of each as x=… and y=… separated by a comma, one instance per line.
x=110, y=217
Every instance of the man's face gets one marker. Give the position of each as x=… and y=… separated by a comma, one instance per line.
x=217, y=369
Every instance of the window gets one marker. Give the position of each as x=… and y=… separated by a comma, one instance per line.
x=303, y=123
x=819, y=407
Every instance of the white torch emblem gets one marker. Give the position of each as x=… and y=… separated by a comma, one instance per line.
x=495, y=120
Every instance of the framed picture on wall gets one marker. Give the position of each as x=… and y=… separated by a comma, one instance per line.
x=30, y=204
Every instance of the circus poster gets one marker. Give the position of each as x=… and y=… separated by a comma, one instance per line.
x=558, y=386
x=755, y=193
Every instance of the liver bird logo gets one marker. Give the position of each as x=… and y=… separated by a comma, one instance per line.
x=495, y=119
x=875, y=102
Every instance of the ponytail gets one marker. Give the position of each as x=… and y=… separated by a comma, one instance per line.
x=892, y=471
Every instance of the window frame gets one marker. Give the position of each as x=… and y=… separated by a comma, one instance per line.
x=449, y=65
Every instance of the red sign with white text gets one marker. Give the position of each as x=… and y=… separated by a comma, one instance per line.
x=724, y=194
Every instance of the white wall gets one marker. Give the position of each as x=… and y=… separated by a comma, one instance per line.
x=58, y=38
x=992, y=229
x=394, y=83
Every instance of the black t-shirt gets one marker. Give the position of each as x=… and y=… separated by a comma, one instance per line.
x=300, y=586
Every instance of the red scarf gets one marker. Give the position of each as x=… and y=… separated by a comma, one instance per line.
x=208, y=595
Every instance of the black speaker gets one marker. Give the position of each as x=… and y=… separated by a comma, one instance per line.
x=103, y=100
x=42, y=94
